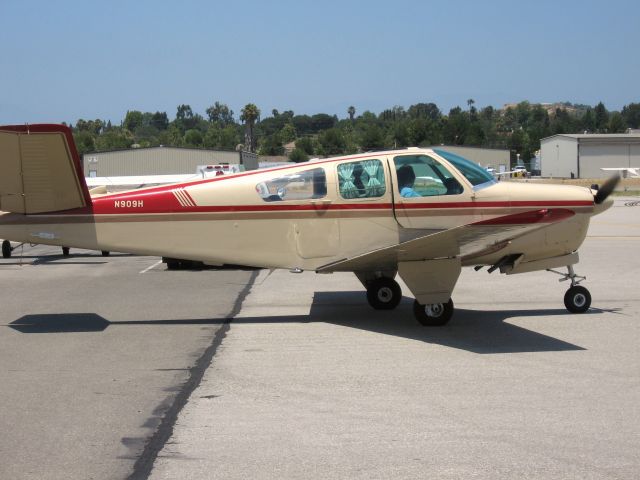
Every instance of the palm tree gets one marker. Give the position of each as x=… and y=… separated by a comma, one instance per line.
x=249, y=114
x=352, y=112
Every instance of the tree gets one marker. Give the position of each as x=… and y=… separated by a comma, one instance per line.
x=616, y=123
x=425, y=110
x=160, y=120
x=220, y=113
x=352, y=112
x=193, y=138
x=601, y=117
x=249, y=114
x=298, y=155
x=288, y=133
x=331, y=142
x=84, y=142
x=372, y=138
x=132, y=120
x=631, y=115
x=271, y=145
x=187, y=120
x=305, y=144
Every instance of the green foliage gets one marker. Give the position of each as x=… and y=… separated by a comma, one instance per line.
x=518, y=128
x=306, y=145
x=631, y=115
x=271, y=145
x=331, y=142
x=133, y=120
x=193, y=138
x=298, y=155
x=84, y=142
x=221, y=114
x=372, y=138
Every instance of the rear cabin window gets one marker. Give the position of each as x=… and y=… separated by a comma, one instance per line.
x=304, y=185
x=362, y=179
x=423, y=176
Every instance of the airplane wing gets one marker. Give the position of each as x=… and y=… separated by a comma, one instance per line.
x=40, y=170
x=474, y=239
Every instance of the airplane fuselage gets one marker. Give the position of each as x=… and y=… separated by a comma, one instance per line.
x=230, y=220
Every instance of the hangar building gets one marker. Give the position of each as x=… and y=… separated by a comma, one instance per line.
x=582, y=155
x=160, y=161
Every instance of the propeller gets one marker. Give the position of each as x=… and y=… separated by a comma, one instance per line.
x=606, y=189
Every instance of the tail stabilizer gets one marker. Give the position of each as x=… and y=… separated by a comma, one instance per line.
x=40, y=170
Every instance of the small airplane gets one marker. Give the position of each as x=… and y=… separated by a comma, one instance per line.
x=634, y=172
x=361, y=213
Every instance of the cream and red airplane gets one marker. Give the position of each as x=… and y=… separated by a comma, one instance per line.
x=422, y=214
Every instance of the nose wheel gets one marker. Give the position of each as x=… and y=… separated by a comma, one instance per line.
x=577, y=299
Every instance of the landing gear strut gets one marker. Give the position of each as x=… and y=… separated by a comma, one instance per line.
x=384, y=293
x=577, y=299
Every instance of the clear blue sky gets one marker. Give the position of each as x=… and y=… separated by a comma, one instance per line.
x=66, y=60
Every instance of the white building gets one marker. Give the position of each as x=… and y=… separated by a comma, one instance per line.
x=582, y=155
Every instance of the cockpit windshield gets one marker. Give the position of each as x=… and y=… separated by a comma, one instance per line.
x=472, y=172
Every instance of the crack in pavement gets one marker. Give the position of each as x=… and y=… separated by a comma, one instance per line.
x=144, y=464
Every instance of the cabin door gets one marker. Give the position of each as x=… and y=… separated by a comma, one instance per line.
x=426, y=195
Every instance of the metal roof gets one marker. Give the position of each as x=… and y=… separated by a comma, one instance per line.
x=600, y=137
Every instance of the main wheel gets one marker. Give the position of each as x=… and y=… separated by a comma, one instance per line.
x=105, y=253
x=384, y=293
x=6, y=249
x=65, y=251
x=434, y=314
x=577, y=299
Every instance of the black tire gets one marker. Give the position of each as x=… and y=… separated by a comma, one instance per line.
x=65, y=251
x=6, y=249
x=577, y=299
x=105, y=253
x=173, y=264
x=384, y=293
x=433, y=315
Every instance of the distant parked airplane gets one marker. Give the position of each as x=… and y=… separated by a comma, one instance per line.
x=624, y=171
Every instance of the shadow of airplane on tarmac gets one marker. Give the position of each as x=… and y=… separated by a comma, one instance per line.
x=483, y=332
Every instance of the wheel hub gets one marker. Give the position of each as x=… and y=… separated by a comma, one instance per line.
x=435, y=309
x=385, y=294
x=579, y=300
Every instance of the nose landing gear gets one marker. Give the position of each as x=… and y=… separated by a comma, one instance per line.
x=577, y=299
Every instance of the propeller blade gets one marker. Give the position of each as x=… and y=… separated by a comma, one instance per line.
x=606, y=189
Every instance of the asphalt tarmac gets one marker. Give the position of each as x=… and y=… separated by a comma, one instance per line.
x=239, y=374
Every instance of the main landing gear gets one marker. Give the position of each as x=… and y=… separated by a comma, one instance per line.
x=384, y=293
x=577, y=299
x=434, y=314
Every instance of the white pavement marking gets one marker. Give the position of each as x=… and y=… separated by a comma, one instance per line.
x=151, y=267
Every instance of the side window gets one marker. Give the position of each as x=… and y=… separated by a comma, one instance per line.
x=362, y=179
x=423, y=176
x=296, y=186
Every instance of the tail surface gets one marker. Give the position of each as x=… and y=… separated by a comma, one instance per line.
x=40, y=170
